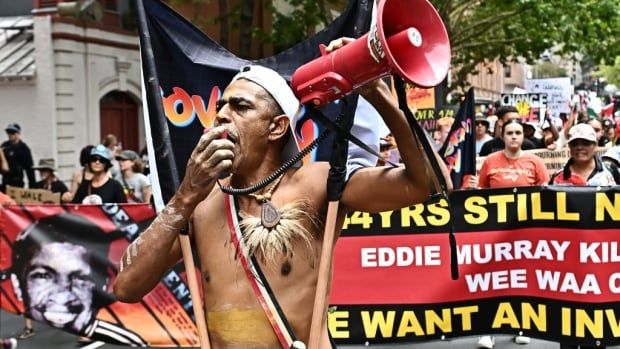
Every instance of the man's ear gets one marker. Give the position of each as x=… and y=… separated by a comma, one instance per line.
x=278, y=127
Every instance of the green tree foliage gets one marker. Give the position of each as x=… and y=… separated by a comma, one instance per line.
x=611, y=73
x=482, y=31
x=300, y=19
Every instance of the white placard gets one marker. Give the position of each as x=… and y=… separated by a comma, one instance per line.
x=558, y=90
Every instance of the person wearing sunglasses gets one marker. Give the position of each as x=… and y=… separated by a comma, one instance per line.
x=19, y=159
x=102, y=188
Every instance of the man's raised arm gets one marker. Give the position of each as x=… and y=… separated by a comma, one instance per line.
x=157, y=249
x=383, y=188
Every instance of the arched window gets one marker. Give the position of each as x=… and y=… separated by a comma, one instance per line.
x=119, y=116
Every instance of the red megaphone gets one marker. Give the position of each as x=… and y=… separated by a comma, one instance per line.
x=409, y=39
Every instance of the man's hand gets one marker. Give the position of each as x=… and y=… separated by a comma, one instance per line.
x=211, y=157
x=338, y=43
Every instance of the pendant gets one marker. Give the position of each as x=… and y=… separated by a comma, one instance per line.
x=269, y=215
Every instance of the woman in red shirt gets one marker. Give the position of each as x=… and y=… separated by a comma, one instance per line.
x=512, y=167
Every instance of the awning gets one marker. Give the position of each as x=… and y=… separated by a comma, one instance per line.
x=16, y=48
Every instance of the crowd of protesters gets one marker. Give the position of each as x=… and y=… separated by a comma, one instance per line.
x=106, y=173
x=504, y=139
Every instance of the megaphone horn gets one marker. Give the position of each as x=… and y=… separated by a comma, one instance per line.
x=414, y=45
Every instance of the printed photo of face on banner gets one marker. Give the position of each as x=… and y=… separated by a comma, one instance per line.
x=58, y=275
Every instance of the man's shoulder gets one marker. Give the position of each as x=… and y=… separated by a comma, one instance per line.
x=59, y=185
x=38, y=184
x=140, y=178
x=494, y=141
x=310, y=178
x=311, y=171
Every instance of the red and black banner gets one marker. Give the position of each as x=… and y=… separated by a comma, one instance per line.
x=58, y=265
x=542, y=261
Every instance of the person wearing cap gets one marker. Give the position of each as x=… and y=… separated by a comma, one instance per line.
x=385, y=149
x=49, y=181
x=584, y=167
x=19, y=159
x=504, y=113
x=136, y=186
x=101, y=188
x=482, y=131
x=254, y=114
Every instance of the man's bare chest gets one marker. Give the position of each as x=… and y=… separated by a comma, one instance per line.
x=282, y=252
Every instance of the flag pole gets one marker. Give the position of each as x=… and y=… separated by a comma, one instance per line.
x=166, y=156
x=194, y=289
x=336, y=182
x=322, y=288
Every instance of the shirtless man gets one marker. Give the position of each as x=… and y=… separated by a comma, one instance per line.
x=253, y=113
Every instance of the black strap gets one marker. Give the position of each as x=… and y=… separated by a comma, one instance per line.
x=422, y=138
x=318, y=115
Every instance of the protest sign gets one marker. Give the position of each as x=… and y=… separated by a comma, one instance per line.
x=530, y=106
x=558, y=90
x=187, y=72
x=32, y=196
x=525, y=265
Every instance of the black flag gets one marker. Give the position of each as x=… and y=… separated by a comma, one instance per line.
x=459, y=149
